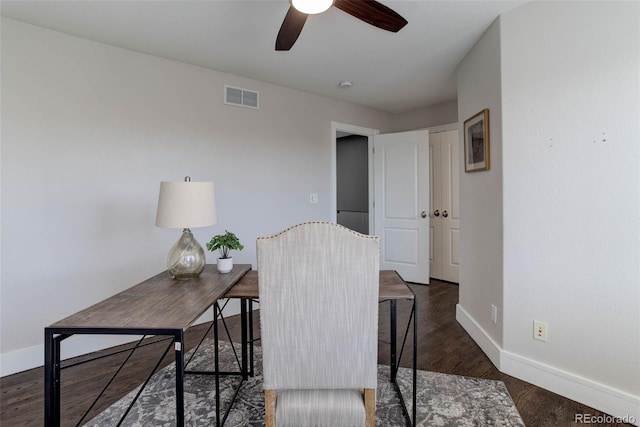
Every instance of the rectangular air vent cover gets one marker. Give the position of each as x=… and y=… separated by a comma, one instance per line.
x=240, y=97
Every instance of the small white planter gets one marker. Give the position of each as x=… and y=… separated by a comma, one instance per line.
x=225, y=265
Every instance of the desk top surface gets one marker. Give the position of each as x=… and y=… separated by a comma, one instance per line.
x=160, y=302
x=392, y=286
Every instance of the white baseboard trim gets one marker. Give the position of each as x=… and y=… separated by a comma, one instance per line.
x=33, y=357
x=600, y=396
x=21, y=360
x=622, y=406
x=486, y=343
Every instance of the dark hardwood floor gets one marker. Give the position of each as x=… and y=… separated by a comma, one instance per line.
x=443, y=346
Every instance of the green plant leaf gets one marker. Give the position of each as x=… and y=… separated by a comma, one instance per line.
x=224, y=243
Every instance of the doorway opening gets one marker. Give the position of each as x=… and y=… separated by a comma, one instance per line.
x=352, y=180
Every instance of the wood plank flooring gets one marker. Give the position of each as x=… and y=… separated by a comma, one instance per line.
x=443, y=346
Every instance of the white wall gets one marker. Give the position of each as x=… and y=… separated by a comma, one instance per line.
x=481, y=245
x=571, y=110
x=435, y=115
x=88, y=133
x=571, y=200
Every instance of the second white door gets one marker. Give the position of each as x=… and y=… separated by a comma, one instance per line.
x=444, y=197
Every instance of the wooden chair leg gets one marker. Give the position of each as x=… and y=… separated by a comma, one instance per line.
x=370, y=407
x=270, y=408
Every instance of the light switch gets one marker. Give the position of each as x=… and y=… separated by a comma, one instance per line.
x=313, y=198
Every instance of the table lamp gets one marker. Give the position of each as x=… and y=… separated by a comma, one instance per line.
x=186, y=205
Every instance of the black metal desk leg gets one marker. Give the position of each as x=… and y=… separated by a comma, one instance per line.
x=51, y=379
x=394, y=363
x=216, y=361
x=415, y=358
x=251, y=340
x=243, y=339
x=179, y=351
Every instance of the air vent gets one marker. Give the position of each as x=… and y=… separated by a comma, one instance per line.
x=240, y=97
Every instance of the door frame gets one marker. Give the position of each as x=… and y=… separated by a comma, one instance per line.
x=369, y=133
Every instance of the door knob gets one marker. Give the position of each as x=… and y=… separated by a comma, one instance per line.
x=445, y=214
x=423, y=214
x=436, y=213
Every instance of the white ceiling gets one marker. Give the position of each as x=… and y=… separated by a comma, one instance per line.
x=411, y=69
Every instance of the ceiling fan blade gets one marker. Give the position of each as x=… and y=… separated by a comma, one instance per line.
x=372, y=12
x=290, y=29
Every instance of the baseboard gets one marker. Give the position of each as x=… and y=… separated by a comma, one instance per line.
x=33, y=357
x=21, y=360
x=486, y=343
x=617, y=403
x=622, y=406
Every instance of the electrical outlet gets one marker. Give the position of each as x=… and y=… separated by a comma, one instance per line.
x=540, y=330
x=494, y=313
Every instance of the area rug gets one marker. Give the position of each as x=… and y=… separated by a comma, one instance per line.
x=443, y=400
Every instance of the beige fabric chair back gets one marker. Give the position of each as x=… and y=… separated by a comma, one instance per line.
x=319, y=287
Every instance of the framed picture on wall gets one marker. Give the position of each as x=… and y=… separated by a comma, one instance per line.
x=476, y=142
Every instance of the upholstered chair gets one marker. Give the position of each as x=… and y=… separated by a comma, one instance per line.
x=319, y=323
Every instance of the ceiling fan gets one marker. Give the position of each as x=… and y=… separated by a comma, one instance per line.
x=369, y=11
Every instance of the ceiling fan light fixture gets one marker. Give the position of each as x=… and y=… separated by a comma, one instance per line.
x=311, y=7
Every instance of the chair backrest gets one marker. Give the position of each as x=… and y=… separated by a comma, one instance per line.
x=319, y=286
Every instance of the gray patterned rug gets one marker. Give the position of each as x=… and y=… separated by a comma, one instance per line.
x=443, y=400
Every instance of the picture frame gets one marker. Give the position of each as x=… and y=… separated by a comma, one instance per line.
x=476, y=142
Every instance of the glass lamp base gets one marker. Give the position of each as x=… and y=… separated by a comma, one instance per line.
x=186, y=258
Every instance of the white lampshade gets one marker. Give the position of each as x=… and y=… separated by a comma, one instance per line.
x=311, y=7
x=186, y=204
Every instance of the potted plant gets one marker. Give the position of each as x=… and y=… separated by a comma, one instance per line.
x=224, y=243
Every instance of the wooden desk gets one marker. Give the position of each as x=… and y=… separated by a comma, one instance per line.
x=160, y=305
x=392, y=289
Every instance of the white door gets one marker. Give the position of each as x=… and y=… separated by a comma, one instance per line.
x=435, y=196
x=401, y=203
x=445, y=206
